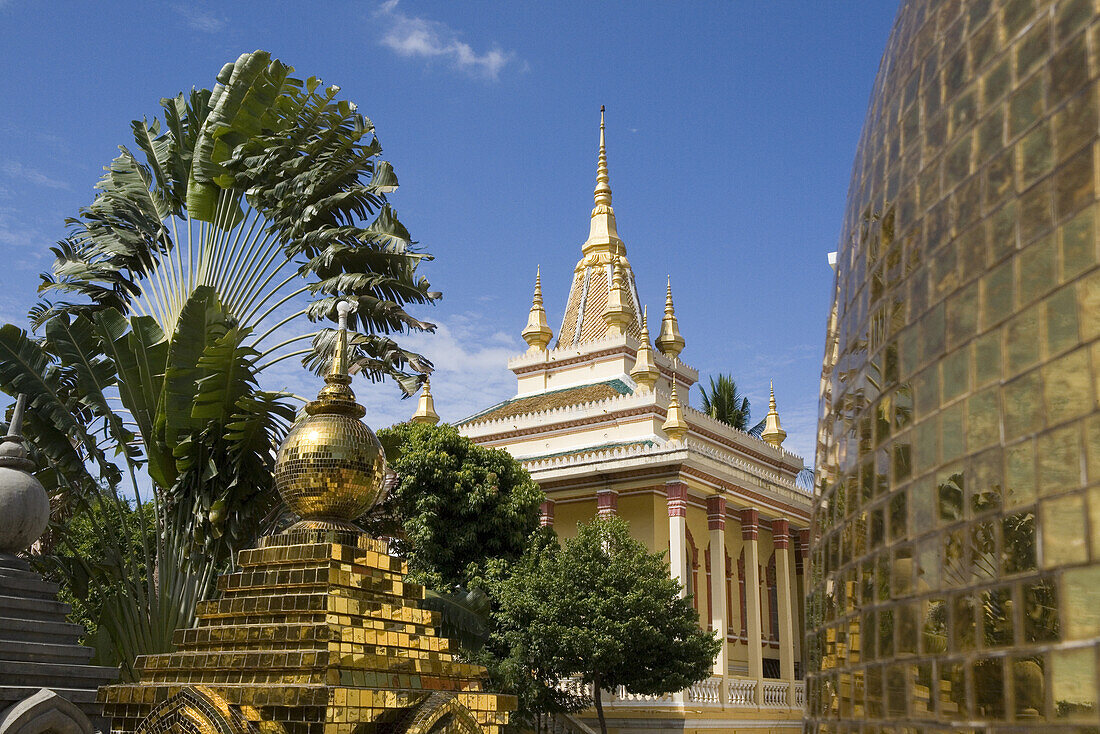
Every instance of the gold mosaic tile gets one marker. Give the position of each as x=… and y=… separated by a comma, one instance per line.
x=957, y=522
x=307, y=637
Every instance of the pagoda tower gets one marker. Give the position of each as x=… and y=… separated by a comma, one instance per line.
x=317, y=631
x=602, y=421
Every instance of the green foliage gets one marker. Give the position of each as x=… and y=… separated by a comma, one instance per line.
x=252, y=205
x=460, y=513
x=725, y=403
x=602, y=609
x=81, y=536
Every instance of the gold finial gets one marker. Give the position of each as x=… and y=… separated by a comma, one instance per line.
x=669, y=341
x=675, y=426
x=337, y=396
x=537, y=333
x=645, y=371
x=602, y=194
x=330, y=467
x=425, y=409
x=773, y=433
x=617, y=316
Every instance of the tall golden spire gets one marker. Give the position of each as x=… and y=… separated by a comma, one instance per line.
x=602, y=194
x=425, y=408
x=537, y=333
x=675, y=426
x=645, y=371
x=603, y=232
x=617, y=316
x=669, y=340
x=773, y=433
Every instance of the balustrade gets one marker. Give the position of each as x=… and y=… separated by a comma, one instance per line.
x=774, y=694
x=742, y=692
x=707, y=691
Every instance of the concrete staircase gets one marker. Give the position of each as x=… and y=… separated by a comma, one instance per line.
x=38, y=646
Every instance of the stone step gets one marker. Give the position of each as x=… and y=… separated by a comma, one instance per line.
x=22, y=607
x=83, y=698
x=43, y=652
x=30, y=630
x=48, y=675
x=26, y=584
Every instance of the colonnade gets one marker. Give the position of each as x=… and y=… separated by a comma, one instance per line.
x=787, y=597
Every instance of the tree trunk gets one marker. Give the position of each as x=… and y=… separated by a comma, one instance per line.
x=597, y=696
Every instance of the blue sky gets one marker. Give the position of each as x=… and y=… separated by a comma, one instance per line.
x=731, y=129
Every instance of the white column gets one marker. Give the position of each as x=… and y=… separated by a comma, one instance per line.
x=676, y=493
x=716, y=523
x=781, y=540
x=750, y=528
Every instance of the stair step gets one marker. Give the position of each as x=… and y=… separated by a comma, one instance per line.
x=26, y=584
x=31, y=630
x=19, y=606
x=48, y=675
x=44, y=652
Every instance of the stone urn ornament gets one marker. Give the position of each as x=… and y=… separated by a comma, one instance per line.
x=24, y=506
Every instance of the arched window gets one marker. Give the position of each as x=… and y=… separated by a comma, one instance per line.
x=773, y=602
x=693, y=570
x=710, y=605
x=741, y=592
x=730, y=581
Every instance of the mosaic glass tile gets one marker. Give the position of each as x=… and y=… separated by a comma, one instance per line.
x=964, y=348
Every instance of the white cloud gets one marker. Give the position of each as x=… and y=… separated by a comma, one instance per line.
x=471, y=372
x=413, y=36
x=15, y=169
x=200, y=20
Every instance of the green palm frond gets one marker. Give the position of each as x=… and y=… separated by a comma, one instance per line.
x=724, y=402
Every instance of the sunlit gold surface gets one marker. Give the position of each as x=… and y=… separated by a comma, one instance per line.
x=317, y=632
x=956, y=556
x=330, y=468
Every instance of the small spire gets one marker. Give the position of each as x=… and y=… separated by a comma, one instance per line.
x=537, y=333
x=773, y=433
x=602, y=194
x=669, y=341
x=425, y=409
x=675, y=426
x=337, y=396
x=645, y=371
x=617, y=316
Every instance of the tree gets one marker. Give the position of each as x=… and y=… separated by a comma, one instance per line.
x=725, y=403
x=460, y=513
x=255, y=205
x=604, y=610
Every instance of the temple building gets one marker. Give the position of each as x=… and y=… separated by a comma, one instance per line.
x=601, y=421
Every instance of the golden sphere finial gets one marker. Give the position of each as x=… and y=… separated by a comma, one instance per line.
x=330, y=468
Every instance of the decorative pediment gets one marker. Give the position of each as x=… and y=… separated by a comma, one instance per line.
x=195, y=710
x=42, y=712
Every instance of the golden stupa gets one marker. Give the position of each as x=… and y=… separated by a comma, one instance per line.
x=316, y=632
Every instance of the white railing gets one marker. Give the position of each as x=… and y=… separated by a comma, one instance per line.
x=621, y=696
x=741, y=692
x=706, y=691
x=773, y=695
